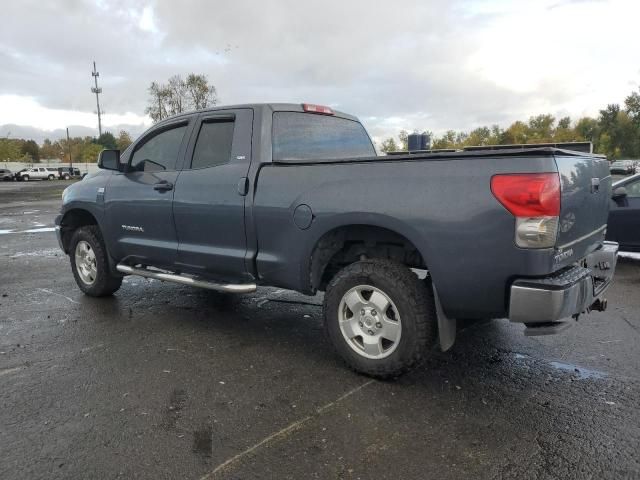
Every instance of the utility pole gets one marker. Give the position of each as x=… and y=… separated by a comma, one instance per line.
x=69, y=148
x=97, y=90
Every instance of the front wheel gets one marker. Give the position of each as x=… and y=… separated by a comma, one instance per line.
x=380, y=317
x=25, y=178
x=90, y=264
x=67, y=177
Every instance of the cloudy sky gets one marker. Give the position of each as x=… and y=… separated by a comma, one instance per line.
x=436, y=65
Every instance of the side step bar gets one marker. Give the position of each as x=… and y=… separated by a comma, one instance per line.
x=185, y=280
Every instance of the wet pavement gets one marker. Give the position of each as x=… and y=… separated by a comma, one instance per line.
x=164, y=381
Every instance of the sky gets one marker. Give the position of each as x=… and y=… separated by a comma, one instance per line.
x=427, y=65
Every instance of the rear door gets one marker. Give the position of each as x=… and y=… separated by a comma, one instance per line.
x=209, y=198
x=138, y=203
x=586, y=191
x=624, y=217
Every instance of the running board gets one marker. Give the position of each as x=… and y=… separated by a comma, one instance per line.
x=184, y=280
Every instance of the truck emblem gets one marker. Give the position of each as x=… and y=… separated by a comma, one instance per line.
x=132, y=228
x=595, y=185
x=560, y=256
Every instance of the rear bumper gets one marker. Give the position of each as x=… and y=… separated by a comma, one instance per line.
x=565, y=294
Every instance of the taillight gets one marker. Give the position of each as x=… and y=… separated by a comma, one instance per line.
x=311, y=108
x=534, y=199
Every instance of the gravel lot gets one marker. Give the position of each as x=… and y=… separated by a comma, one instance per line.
x=162, y=381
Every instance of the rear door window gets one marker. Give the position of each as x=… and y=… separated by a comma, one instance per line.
x=213, y=146
x=307, y=136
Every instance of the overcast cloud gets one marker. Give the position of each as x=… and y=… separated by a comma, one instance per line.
x=433, y=65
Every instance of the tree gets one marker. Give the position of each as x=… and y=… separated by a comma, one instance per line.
x=30, y=149
x=179, y=96
x=157, y=109
x=90, y=152
x=389, y=145
x=403, y=136
x=51, y=149
x=9, y=149
x=201, y=94
x=107, y=140
x=123, y=140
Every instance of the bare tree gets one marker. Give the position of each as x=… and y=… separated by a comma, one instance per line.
x=157, y=109
x=179, y=96
x=201, y=94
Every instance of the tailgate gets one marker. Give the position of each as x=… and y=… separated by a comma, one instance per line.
x=586, y=190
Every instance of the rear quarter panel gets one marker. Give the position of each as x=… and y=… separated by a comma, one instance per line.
x=444, y=207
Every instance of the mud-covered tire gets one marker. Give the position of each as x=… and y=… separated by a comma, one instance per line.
x=415, y=306
x=104, y=282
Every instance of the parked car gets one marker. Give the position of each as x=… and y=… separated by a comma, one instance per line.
x=37, y=173
x=67, y=173
x=623, y=167
x=294, y=196
x=5, y=174
x=624, y=214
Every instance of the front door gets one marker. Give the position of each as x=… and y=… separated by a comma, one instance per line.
x=209, y=198
x=138, y=203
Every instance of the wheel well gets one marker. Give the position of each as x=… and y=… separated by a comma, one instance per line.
x=73, y=220
x=345, y=245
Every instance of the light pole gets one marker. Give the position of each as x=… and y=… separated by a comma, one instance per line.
x=97, y=90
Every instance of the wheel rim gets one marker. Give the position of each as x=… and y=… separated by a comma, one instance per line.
x=369, y=322
x=86, y=264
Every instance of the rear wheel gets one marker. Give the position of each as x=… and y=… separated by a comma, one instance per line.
x=67, y=177
x=90, y=264
x=380, y=317
x=51, y=177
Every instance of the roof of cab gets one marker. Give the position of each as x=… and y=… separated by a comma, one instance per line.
x=274, y=107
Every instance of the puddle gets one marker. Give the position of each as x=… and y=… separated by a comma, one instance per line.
x=31, y=230
x=40, y=253
x=581, y=372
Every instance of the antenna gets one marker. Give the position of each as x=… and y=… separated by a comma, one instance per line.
x=97, y=90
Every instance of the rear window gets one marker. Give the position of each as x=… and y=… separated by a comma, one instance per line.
x=306, y=136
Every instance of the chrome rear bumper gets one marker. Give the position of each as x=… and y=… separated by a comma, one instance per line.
x=565, y=294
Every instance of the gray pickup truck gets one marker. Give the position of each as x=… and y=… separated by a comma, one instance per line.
x=294, y=196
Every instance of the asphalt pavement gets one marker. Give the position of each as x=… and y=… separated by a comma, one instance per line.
x=164, y=381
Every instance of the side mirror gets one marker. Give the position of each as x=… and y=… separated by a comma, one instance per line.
x=109, y=160
x=619, y=192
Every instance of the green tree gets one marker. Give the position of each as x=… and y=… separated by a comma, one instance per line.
x=107, y=140
x=389, y=145
x=90, y=152
x=9, y=149
x=30, y=149
x=123, y=140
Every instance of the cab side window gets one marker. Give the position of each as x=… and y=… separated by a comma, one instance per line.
x=160, y=152
x=213, y=146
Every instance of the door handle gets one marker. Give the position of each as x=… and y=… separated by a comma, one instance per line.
x=163, y=186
